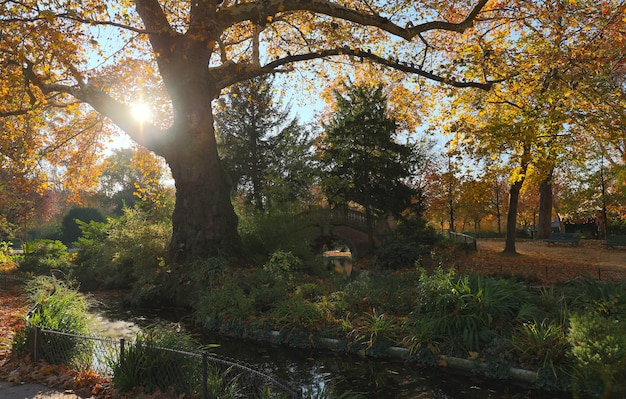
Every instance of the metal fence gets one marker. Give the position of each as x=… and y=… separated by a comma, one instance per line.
x=468, y=242
x=194, y=374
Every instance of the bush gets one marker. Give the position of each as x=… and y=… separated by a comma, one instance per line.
x=229, y=301
x=6, y=259
x=599, y=353
x=128, y=252
x=265, y=233
x=56, y=306
x=468, y=311
x=144, y=364
x=282, y=265
x=43, y=255
x=70, y=229
x=411, y=241
x=544, y=346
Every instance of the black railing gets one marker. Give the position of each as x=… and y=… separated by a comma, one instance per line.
x=468, y=242
x=191, y=374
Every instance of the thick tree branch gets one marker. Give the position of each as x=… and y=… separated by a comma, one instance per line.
x=231, y=73
x=144, y=133
x=260, y=12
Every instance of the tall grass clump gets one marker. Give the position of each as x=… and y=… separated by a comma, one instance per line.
x=465, y=312
x=57, y=306
x=154, y=362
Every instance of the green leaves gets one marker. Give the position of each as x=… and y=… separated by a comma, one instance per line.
x=359, y=157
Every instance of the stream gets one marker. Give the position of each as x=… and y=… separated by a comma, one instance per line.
x=314, y=370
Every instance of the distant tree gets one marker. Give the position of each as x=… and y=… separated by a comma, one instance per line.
x=360, y=159
x=135, y=177
x=263, y=151
x=117, y=181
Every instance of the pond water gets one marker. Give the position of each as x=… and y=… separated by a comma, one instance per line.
x=315, y=370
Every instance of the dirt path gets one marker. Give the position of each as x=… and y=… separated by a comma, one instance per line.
x=549, y=263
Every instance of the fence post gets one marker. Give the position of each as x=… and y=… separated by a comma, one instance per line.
x=35, y=348
x=205, y=376
x=122, y=341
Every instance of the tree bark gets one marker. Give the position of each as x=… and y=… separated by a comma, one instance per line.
x=204, y=221
x=514, y=191
x=545, y=207
x=511, y=218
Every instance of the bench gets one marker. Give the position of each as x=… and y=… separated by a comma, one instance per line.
x=615, y=240
x=563, y=238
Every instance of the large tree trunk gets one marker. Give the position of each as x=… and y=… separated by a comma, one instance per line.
x=545, y=207
x=204, y=221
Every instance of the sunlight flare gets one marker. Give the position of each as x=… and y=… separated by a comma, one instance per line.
x=141, y=112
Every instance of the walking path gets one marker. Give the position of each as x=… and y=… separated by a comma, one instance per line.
x=34, y=391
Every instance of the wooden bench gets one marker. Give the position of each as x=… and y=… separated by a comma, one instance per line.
x=615, y=240
x=563, y=238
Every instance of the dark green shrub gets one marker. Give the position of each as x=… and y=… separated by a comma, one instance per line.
x=411, y=241
x=599, y=354
x=265, y=233
x=70, y=229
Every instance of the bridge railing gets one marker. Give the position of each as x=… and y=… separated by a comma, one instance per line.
x=468, y=242
x=348, y=215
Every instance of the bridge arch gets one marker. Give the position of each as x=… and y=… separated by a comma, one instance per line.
x=350, y=227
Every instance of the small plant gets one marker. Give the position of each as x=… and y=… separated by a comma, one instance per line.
x=373, y=328
x=542, y=345
x=6, y=260
x=226, y=302
x=282, y=265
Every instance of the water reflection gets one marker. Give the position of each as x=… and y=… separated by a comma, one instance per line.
x=316, y=370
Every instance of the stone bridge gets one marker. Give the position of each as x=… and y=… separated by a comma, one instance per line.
x=350, y=227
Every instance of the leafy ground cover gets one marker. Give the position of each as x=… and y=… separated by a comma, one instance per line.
x=563, y=262
x=463, y=315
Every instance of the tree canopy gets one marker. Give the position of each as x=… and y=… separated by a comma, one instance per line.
x=68, y=65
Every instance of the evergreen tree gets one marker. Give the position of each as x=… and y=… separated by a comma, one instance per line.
x=360, y=157
x=264, y=153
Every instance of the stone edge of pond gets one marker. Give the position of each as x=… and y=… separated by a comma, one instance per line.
x=396, y=352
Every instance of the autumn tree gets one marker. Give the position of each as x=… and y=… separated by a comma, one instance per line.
x=68, y=57
x=117, y=181
x=134, y=177
x=531, y=116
